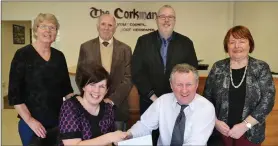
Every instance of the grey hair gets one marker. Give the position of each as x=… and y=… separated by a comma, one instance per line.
x=165, y=6
x=98, y=21
x=185, y=68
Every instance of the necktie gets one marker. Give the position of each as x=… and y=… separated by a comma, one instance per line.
x=163, y=51
x=105, y=43
x=178, y=131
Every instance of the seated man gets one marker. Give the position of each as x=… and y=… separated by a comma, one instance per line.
x=183, y=117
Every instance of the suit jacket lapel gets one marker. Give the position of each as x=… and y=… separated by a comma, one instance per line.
x=156, y=45
x=170, y=50
x=115, y=56
x=96, y=51
x=224, y=88
x=249, y=86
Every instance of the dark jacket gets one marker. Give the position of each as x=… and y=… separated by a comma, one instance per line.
x=147, y=66
x=259, y=99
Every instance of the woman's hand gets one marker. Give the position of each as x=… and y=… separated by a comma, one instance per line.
x=238, y=130
x=37, y=127
x=222, y=127
x=117, y=136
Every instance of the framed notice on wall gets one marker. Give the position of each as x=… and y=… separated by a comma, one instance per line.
x=18, y=34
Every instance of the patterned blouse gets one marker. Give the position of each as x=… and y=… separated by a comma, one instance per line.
x=76, y=122
x=259, y=97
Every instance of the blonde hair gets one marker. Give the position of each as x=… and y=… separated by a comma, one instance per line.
x=44, y=17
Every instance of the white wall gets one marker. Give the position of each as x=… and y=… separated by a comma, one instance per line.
x=262, y=20
x=204, y=22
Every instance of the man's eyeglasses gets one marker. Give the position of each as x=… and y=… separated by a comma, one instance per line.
x=45, y=27
x=163, y=17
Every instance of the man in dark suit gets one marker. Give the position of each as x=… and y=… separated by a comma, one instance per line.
x=115, y=57
x=155, y=55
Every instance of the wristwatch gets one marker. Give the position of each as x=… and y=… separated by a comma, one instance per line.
x=248, y=125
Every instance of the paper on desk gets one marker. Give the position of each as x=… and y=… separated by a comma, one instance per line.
x=144, y=140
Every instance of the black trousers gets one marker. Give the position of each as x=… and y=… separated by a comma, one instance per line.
x=50, y=140
x=215, y=139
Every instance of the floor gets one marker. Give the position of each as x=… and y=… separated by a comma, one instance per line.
x=9, y=128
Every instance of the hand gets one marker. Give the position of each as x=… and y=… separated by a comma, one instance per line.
x=117, y=136
x=69, y=96
x=237, y=131
x=153, y=97
x=222, y=127
x=107, y=100
x=37, y=127
x=129, y=135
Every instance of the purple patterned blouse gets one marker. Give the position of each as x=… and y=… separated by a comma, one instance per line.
x=76, y=122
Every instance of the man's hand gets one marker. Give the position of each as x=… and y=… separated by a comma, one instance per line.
x=153, y=97
x=108, y=100
x=129, y=135
x=69, y=96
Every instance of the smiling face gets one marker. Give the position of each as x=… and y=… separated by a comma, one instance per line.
x=95, y=92
x=184, y=86
x=46, y=32
x=166, y=20
x=106, y=27
x=238, y=49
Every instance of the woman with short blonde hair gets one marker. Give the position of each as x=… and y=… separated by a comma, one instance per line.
x=38, y=81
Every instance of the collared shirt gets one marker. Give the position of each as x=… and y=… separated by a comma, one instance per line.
x=101, y=41
x=106, y=53
x=200, y=120
x=164, y=49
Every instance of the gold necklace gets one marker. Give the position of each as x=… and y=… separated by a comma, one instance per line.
x=231, y=75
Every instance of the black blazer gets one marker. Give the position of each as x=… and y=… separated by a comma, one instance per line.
x=147, y=67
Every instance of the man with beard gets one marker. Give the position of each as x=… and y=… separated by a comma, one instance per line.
x=155, y=55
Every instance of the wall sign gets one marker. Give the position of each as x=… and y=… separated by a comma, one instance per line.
x=128, y=19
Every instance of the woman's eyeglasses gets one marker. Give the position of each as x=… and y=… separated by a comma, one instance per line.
x=45, y=27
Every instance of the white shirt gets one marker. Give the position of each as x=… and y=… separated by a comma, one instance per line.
x=200, y=120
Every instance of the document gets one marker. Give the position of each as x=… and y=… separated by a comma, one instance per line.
x=144, y=140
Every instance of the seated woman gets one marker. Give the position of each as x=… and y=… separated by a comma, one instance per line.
x=86, y=119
